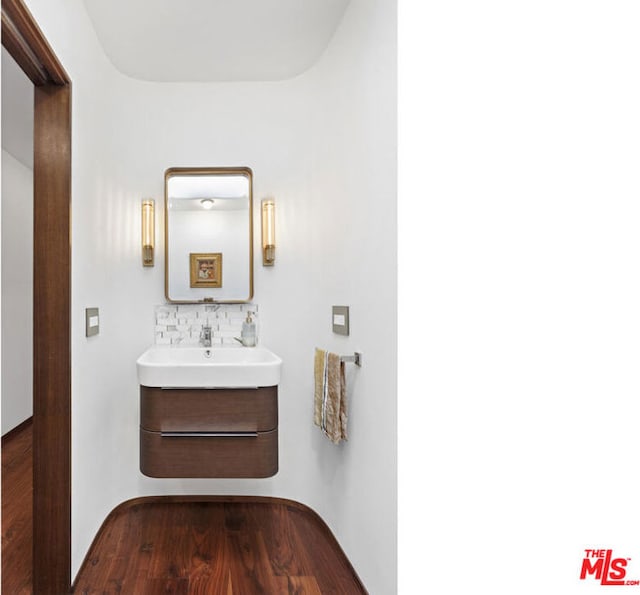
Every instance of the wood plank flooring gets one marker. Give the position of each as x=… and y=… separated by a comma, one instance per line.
x=17, y=510
x=200, y=545
x=216, y=545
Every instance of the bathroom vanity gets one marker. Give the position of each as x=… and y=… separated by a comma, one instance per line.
x=208, y=412
x=209, y=432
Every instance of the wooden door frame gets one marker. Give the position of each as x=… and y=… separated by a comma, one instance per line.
x=26, y=43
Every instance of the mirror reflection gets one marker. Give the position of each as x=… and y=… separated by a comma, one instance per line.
x=209, y=235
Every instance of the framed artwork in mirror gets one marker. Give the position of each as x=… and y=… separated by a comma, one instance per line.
x=205, y=269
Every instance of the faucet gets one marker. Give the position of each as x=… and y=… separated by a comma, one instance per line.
x=205, y=336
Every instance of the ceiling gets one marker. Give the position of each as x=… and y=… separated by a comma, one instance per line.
x=189, y=40
x=214, y=40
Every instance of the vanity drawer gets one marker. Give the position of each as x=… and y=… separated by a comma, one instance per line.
x=209, y=410
x=209, y=456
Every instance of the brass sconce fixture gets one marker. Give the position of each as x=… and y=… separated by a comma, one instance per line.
x=268, y=232
x=148, y=232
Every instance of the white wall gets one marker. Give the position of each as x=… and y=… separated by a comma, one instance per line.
x=17, y=292
x=323, y=145
x=350, y=216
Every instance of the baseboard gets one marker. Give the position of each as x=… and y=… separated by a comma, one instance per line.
x=15, y=431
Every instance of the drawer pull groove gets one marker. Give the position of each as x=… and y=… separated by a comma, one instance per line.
x=208, y=434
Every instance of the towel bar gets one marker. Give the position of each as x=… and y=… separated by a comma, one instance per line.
x=356, y=358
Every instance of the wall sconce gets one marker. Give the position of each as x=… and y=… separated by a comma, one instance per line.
x=148, y=232
x=268, y=232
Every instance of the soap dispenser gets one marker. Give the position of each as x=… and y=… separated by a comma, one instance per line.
x=248, y=335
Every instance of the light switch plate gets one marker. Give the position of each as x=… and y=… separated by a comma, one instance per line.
x=92, y=321
x=340, y=319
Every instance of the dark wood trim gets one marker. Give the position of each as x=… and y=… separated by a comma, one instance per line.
x=17, y=430
x=22, y=54
x=32, y=51
x=52, y=341
x=26, y=43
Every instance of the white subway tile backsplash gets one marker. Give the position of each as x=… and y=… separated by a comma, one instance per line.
x=182, y=324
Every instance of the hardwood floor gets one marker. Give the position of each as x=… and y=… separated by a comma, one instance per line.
x=17, y=510
x=216, y=545
x=200, y=545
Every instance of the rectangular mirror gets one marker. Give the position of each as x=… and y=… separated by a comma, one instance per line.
x=208, y=235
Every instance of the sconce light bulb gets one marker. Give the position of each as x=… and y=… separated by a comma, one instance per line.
x=148, y=232
x=268, y=232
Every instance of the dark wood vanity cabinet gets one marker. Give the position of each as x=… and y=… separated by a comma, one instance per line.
x=209, y=432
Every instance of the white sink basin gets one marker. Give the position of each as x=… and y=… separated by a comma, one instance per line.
x=215, y=367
